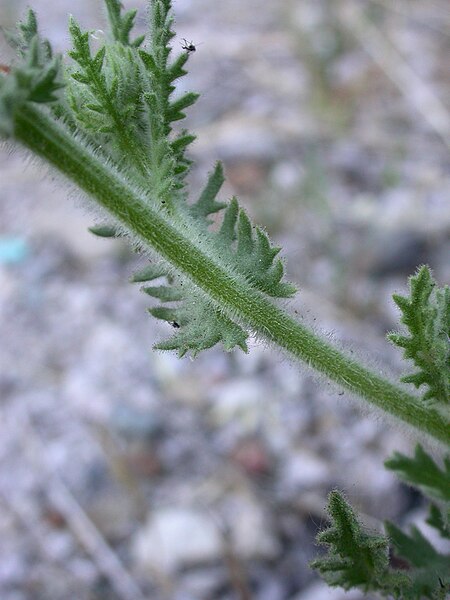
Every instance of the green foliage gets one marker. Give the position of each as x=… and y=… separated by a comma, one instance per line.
x=104, y=103
x=121, y=97
x=112, y=134
x=198, y=325
x=359, y=559
x=436, y=520
x=429, y=571
x=121, y=25
x=356, y=558
x=426, y=314
x=423, y=472
x=36, y=78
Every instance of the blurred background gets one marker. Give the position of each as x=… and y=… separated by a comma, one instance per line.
x=128, y=474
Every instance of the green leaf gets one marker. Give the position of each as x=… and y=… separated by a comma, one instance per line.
x=207, y=204
x=149, y=272
x=149, y=62
x=35, y=78
x=415, y=548
x=356, y=558
x=426, y=314
x=198, y=326
x=251, y=252
x=430, y=569
x=423, y=472
x=436, y=520
x=97, y=63
x=165, y=293
x=21, y=37
x=121, y=25
x=174, y=112
x=105, y=231
x=237, y=242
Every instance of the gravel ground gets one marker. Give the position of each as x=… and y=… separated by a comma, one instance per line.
x=129, y=474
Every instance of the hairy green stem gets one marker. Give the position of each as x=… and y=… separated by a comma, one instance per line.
x=230, y=293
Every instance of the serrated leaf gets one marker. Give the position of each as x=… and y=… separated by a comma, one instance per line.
x=430, y=568
x=148, y=61
x=182, y=141
x=199, y=328
x=122, y=98
x=356, y=558
x=97, y=62
x=21, y=37
x=207, y=204
x=253, y=255
x=80, y=77
x=436, y=519
x=180, y=104
x=198, y=325
x=423, y=472
x=121, y=25
x=176, y=68
x=36, y=78
x=426, y=314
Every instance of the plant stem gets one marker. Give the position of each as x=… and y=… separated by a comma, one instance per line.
x=229, y=292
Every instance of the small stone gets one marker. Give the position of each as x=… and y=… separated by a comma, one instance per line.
x=241, y=401
x=252, y=456
x=12, y=570
x=303, y=470
x=286, y=175
x=112, y=513
x=83, y=569
x=176, y=537
x=250, y=530
x=59, y=544
x=202, y=583
x=134, y=423
x=144, y=461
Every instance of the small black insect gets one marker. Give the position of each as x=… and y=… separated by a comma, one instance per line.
x=175, y=324
x=188, y=46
